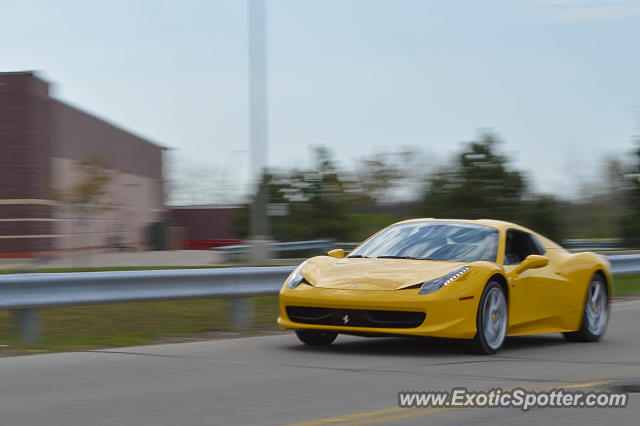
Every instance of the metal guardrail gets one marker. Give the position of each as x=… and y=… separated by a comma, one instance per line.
x=237, y=249
x=26, y=293
x=624, y=263
x=591, y=244
x=347, y=247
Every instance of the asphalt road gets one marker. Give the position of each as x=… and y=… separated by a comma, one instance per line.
x=275, y=380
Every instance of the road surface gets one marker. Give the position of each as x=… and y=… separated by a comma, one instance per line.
x=276, y=380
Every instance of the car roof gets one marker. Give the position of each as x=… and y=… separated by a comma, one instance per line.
x=498, y=224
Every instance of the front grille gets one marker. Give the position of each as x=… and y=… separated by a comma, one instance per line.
x=355, y=317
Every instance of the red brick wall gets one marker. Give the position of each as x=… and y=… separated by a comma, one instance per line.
x=24, y=158
x=77, y=135
x=206, y=223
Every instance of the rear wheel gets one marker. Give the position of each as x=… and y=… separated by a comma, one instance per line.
x=491, y=320
x=316, y=338
x=595, y=315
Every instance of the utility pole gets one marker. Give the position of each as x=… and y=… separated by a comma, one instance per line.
x=259, y=229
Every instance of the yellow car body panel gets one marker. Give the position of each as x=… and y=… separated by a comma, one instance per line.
x=542, y=300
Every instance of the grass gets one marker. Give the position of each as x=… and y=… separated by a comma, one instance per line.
x=626, y=284
x=128, y=324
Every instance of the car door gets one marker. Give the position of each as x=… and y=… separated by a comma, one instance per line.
x=532, y=292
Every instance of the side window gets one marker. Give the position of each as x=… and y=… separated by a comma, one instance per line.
x=520, y=245
x=541, y=249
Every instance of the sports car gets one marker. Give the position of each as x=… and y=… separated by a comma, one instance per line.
x=480, y=280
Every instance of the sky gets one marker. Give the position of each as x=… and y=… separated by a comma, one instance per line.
x=557, y=80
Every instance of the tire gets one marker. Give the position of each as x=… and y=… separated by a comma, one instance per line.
x=595, y=315
x=491, y=320
x=316, y=338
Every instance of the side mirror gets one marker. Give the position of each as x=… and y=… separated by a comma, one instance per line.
x=533, y=261
x=337, y=253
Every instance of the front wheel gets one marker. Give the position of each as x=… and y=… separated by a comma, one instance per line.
x=596, y=313
x=491, y=320
x=316, y=338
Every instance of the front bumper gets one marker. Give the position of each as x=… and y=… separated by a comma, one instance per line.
x=445, y=314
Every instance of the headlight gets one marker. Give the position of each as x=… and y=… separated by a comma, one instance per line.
x=296, y=278
x=436, y=284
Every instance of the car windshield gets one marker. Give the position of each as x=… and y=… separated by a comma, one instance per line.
x=449, y=241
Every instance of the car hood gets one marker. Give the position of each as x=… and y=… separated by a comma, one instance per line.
x=373, y=274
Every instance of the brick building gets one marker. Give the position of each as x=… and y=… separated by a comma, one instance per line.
x=42, y=143
x=203, y=227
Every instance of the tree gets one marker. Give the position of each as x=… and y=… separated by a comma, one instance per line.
x=630, y=221
x=541, y=213
x=87, y=195
x=324, y=202
x=86, y=198
x=479, y=184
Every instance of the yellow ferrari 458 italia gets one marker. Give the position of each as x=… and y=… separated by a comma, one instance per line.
x=480, y=280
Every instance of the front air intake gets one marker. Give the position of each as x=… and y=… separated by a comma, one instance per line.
x=355, y=317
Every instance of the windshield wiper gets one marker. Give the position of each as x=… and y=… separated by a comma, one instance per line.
x=398, y=257
x=358, y=255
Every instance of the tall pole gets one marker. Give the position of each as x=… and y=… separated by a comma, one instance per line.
x=258, y=118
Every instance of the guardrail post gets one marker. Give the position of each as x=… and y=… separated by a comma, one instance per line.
x=27, y=322
x=240, y=312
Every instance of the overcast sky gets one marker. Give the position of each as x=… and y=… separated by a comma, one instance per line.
x=558, y=80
